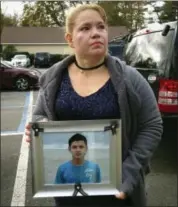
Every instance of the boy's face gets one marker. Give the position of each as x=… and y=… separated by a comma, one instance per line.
x=78, y=149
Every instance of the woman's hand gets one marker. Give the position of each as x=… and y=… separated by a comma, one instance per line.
x=121, y=195
x=28, y=133
x=28, y=130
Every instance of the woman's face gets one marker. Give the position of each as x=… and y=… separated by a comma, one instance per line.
x=90, y=34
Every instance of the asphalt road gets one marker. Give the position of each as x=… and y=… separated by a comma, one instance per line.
x=161, y=183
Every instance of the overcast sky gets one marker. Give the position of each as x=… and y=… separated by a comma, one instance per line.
x=12, y=7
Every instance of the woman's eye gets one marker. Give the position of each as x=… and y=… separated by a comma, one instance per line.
x=85, y=28
x=101, y=26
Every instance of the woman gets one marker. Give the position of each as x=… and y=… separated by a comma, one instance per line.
x=93, y=85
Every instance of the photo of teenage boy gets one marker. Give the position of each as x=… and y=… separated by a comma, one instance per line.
x=78, y=170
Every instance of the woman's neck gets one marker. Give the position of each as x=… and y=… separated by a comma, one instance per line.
x=89, y=62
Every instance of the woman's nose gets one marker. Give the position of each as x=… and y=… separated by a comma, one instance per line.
x=95, y=33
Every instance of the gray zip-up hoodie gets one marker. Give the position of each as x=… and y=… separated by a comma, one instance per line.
x=141, y=119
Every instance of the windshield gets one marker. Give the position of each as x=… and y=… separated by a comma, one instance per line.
x=116, y=49
x=149, y=50
x=20, y=57
x=42, y=54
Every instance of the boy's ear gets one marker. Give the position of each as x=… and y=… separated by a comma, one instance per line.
x=68, y=38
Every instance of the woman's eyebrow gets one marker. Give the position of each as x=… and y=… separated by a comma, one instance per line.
x=90, y=23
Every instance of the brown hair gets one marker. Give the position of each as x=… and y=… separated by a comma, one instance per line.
x=74, y=11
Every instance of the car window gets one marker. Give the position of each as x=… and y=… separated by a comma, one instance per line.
x=42, y=55
x=20, y=57
x=116, y=49
x=149, y=50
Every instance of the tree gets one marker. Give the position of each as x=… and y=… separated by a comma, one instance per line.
x=45, y=13
x=165, y=12
x=52, y=13
x=8, y=20
x=124, y=13
x=8, y=51
x=112, y=12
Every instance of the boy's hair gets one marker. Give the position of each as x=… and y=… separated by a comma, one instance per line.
x=77, y=137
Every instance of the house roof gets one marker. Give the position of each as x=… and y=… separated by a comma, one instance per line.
x=45, y=35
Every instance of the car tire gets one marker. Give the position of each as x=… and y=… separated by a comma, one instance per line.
x=22, y=83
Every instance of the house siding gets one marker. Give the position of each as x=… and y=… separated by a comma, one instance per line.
x=53, y=49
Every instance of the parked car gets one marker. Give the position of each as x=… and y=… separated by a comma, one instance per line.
x=116, y=48
x=8, y=63
x=18, y=78
x=153, y=51
x=42, y=59
x=21, y=60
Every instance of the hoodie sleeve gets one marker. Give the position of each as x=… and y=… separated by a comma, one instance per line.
x=149, y=132
x=39, y=113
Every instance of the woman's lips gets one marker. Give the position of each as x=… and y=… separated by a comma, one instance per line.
x=97, y=43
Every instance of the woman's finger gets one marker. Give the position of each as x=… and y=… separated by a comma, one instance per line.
x=27, y=132
x=28, y=126
x=28, y=139
x=121, y=195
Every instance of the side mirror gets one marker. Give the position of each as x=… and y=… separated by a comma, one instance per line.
x=166, y=30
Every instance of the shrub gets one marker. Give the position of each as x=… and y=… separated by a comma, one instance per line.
x=8, y=51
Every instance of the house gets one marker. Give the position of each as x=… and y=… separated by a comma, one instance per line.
x=44, y=39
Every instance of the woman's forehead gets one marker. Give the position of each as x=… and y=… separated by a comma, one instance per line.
x=90, y=22
x=85, y=16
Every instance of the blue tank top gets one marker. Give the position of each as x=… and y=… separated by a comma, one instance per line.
x=69, y=105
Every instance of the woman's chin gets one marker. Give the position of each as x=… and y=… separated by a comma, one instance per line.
x=97, y=53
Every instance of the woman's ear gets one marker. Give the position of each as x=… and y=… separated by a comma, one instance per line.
x=68, y=38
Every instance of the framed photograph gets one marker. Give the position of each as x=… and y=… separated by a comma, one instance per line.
x=76, y=158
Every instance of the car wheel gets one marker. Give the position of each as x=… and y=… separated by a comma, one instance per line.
x=22, y=83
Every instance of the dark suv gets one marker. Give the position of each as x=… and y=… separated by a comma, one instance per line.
x=153, y=51
x=116, y=48
x=42, y=59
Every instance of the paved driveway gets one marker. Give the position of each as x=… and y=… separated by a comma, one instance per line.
x=16, y=187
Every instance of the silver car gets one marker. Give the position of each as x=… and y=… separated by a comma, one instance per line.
x=20, y=60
